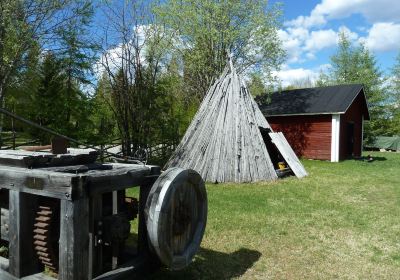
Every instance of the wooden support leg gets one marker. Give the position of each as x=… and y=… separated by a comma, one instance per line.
x=115, y=247
x=96, y=245
x=22, y=257
x=142, y=230
x=74, y=240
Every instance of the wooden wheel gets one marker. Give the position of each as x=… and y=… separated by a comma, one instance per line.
x=176, y=215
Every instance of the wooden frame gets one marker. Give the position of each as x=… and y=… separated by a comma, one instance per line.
x=79, y=195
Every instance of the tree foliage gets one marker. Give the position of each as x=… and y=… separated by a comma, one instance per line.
x=143, y=78
x=208, y=30
x=356, y=64
x=29, y=23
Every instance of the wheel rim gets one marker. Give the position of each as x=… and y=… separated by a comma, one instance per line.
x=176, y=215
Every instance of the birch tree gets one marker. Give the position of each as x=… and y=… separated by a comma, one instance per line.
x=207, y=30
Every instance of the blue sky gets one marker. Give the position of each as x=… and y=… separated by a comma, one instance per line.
x=310, y=31
x=311, y=27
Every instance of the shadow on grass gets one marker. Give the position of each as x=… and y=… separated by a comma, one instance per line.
x=210, y=264
x=372, y=159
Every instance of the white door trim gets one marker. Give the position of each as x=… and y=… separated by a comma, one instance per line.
x=335, y=138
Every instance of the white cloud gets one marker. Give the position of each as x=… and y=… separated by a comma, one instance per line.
x=383, y=36
x=292, y=41
x=372, y=10
x=353, y=36
x=296, y=76
x=301, y=44
x=320, y=39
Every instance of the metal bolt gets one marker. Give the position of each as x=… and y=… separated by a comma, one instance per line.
x=66, y=195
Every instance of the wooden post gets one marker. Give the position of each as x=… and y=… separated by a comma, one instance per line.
x=22, y=259
x=74, y=240
x=142, y=230
x=115, y=247
x=13, y=133
x=95, y=245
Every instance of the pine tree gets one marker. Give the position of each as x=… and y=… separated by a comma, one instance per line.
x=356, y=64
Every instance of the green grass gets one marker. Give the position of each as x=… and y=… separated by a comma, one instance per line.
x=343, y=221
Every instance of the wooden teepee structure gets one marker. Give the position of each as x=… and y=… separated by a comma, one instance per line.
x=224, y=143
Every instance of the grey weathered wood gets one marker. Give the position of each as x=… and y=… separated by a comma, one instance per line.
x=74, y=240
x=143, y=248
x=288, y=154
x=4, y=223
x=114, y=245
x=42, y=159
x=64, y=185
x=4, y=263
x=126, y=271
x=22, y=257
x=223, y=143
x=4, y=275
x=51, y=184
x=95, y=249
x=176, y=216
x=117, y=179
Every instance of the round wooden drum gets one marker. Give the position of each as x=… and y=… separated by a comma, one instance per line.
x=176, y=216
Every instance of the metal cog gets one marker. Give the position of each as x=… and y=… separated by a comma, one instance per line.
x=46, y=234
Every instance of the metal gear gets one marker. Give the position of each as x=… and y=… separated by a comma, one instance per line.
x=46, y=234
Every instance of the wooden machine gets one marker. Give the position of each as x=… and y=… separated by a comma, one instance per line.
x=64, y=216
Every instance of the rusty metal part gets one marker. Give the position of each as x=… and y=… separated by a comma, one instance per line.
x=35, y=148
x=46, y=234
x=131, y=207
x=116, y=228
x=59, y=145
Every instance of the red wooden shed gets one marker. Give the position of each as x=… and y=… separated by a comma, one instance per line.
x=319, y=123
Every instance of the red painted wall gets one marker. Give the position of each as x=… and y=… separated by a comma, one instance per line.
x=354, y=115
x=309, y=136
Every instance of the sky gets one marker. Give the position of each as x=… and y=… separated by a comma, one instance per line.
x=310, y=33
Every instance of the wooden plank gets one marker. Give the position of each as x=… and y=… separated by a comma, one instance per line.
x=74, y=240
x=114, y=245
x=81, y=168
x=38, y=276
x=4, y=263
x=31, y=159
x=288, y=154
x=116, y=179
x=51, y=184
x=127, y=270
x=142, y=230
x=95, y=249
x=223, y=142
x=4, y=223
x=4, y=275
x=22, y=257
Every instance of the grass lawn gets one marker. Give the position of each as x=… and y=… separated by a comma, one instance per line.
x=343, y=221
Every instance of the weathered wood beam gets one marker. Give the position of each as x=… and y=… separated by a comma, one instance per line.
x=116, y=180
x=22, y=257
x=51, y=184
x=74, y=240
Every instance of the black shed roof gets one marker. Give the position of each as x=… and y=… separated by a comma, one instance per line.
x=312, y=101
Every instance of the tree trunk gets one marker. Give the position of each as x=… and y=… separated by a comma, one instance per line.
x=1, y=115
